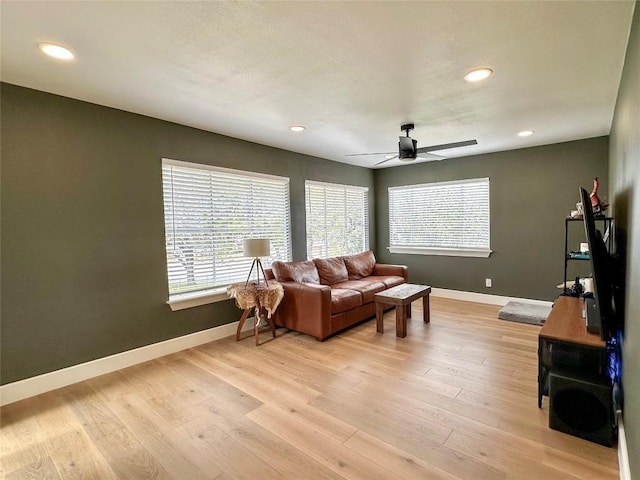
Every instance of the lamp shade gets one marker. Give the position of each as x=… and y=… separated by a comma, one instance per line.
x=256, y=247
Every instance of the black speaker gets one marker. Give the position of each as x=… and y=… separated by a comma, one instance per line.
x=581, y=406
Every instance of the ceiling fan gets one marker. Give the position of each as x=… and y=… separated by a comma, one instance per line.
x=408, y=148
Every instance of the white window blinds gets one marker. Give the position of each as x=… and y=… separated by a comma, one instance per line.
x=446, y=218
x=337, y=219
x=208, y=211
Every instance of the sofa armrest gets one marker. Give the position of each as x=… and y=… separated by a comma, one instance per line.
x=388, y=269
x=305, y=308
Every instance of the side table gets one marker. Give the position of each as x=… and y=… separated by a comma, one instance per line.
x=259, y=297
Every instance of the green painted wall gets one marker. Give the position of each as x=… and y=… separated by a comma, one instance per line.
x=532, y=190
x=83, y=261
x=625, y=183
x=83, y=257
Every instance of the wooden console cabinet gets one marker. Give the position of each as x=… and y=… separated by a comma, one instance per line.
x=564, y=343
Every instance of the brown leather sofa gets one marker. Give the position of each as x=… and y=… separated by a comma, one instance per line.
x=324, y=296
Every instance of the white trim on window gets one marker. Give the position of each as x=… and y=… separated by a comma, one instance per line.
x=208, y=212
x=195, y=299
x=231, y=171
x=444, y=218
x=337, y=185
x=449, y=252
x=337, y=219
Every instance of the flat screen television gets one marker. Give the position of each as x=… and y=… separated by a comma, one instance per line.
x=600, y=310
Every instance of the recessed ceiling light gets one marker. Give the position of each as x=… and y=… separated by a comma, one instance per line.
x=297, y=128
x=56, y=51
x=525, y=133
x=478, y=74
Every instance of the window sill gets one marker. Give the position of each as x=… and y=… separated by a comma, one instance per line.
x=188, y=300
x=449, y=252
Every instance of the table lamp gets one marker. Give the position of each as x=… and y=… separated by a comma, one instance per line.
x=256, y=248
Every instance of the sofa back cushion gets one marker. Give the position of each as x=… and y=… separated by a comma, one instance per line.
x=360, y=265
x=331, y=270
x=302, y=272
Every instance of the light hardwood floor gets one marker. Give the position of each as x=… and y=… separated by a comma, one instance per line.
x=455, y=399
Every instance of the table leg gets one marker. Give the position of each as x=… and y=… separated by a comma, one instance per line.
x=401, y=321
x=271, y=323
x=243, y=318
x=256, y=325
x=408, y=311
x=540, y=373
x=426, y=315
x=379, y=317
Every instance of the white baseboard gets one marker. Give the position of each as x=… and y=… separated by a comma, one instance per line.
x=483, y=297
x=623, y=453
x=29, y=387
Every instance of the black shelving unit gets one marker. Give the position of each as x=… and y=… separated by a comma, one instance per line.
x=607, y=227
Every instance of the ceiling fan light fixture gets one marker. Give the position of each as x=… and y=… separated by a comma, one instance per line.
x=56, y=51
x=526, y=133
x=478, y=74
x=297, y=128
x=407, y=146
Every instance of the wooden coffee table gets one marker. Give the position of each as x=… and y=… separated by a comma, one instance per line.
x=402, y=296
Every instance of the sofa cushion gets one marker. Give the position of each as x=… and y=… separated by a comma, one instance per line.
x=343, y=300
x=388, y=280
x=302, y=272
x=331, y=270
x=367, y=288
x=360, y=265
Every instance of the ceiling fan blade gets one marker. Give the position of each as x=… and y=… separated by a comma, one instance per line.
x=387, y=159
x=446, y=146
x=360, y=154
x=430, y=157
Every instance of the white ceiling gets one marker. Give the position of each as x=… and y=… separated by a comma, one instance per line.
x=351, y=72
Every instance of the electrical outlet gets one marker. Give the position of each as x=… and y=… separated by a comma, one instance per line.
x=487, y=282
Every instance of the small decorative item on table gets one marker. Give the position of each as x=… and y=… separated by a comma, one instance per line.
x=257, y=296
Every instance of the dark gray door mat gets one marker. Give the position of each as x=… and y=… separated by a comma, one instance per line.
x=524, y=313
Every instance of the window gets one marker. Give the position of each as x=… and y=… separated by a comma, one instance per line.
x=446, y=218
x=337, y=219
x=208, y=211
